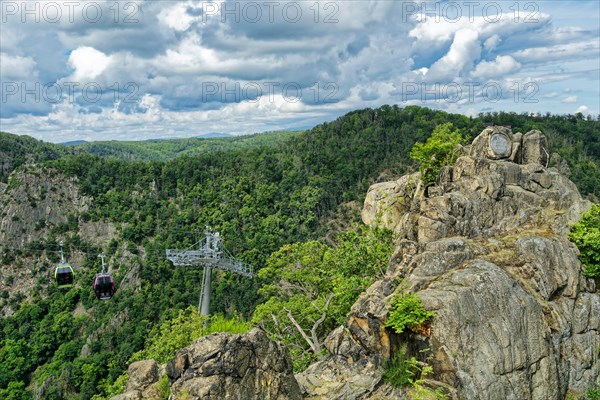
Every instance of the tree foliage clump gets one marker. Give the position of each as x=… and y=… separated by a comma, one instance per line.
x=408, y=312
x=310, y=288
x=170, y=336
x=440, y=149
x=586, y=236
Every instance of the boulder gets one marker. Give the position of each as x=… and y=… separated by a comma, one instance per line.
x=387, y=202
x=535, y=148
x=142, y=374
x=224, y=366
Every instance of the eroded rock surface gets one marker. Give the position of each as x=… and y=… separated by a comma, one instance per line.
x=223, y=366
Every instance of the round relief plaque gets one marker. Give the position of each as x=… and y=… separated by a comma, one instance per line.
x=500, y=145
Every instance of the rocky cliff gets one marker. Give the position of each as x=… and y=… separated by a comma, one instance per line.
x=486, y=249
x=38, y=207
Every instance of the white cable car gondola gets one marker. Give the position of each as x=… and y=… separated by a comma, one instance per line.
x=104, y=284
x=63, y=274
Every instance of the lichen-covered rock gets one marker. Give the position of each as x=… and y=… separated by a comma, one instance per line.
x=477, y=197
x=387, y=202
x=143, y=381
x=334, y=380
x=489, y=337
x=224, y=366
x=142, y=374
x=34, y=199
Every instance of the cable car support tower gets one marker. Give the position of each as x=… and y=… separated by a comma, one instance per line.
x=210, y=254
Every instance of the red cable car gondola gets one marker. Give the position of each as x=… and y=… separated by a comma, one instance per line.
x=104, y=284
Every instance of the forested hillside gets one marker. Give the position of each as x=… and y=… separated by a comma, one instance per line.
x=260, y=197
x=155, y=150
x=18, y=150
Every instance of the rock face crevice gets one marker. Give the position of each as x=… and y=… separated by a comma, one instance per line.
x=485, y=248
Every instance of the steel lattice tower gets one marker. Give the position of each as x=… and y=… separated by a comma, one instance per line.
x=210, y=254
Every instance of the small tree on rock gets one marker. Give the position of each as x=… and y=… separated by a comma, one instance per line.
x=439, y=150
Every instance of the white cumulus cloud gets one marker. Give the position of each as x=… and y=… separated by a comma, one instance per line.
x=176, y=16
x=465, y=50
x=564, y=52
x=17, y=67
x=492, y=42
x=88, y=63
x=501, y=66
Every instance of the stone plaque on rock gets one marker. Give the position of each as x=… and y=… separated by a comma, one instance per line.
x=493, y=143
x=501, y=145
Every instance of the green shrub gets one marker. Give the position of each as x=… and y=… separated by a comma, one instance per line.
x=13, y=183
x=117, y=387
x=593, y=393
x=586, y=236
x=310, y=287
x=165, y=340
x=401, y=371
x=164, y=388
x=15, y=391
x=407, y=312
x=440, y=149
x=407, y=372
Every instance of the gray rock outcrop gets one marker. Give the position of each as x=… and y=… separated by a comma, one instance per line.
x=535, y=148
x=34, y=199
x=143, y=381
x=220, y=366
x=499, y=143
x=487, y=250
x=224, y=366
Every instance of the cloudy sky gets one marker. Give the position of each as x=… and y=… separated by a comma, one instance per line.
x=94, y=70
